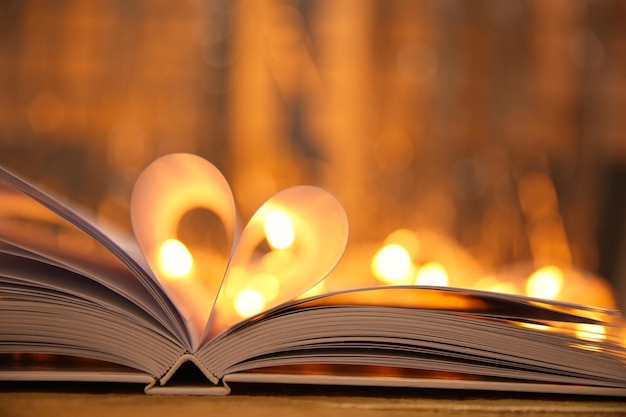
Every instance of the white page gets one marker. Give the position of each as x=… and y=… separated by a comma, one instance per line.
x=44, y=321
x=466, y=334
x=502, y=350
x=118, y=279
x=121, y=247
x=41, y=277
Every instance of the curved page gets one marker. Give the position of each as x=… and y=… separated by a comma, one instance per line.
x=27, y=212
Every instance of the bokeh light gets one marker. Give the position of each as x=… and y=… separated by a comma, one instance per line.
x=391, y=264
x=278, y=230
x=175, y=259
x=248, y=302
x=546, y=283
x=432, y=273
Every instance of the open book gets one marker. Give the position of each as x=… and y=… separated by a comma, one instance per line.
x=134, y=309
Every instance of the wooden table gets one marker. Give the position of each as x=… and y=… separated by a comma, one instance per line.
x=95, y=400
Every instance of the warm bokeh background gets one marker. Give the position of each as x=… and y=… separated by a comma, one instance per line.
x=495, y=130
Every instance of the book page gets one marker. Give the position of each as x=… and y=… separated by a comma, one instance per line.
x=463, y=332
x=44, y=320
x=41, y=276
x=291, y=243
x=462, y=299
x=30, y=218
x=164, y=193
x=105, y=270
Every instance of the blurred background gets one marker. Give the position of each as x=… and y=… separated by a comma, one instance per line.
x=483, y=138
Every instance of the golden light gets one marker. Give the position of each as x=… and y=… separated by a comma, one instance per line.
x=391, y=263
x=505, y=288
x=237, y=279
x=486, y=283
x=590, y=332
x=535, y=326
x=249, y=302
x=406, y=238
x=318, y=289
x=490, y=283
x=265, y=284
x=278, y=230
x=175, y=259
x=432, y=273
x=546, y=282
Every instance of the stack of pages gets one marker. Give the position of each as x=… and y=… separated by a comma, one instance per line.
x=97, y=305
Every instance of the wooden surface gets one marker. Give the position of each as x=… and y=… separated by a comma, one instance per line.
x=103, y=400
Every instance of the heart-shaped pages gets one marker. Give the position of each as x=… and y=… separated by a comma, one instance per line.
x=291, y=243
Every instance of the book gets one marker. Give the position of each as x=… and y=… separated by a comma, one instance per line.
x=80, y=301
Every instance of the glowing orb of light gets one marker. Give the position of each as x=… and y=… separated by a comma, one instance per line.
x=391, y=263
x=175, y=259
x=278, y=230
x=545, y=283
x=432, y=273
x=249, y=302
